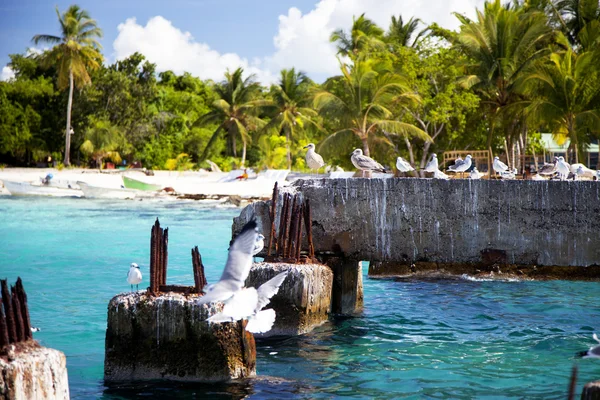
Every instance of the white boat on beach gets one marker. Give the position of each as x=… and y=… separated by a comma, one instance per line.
x=29, y=189
x=99, y=192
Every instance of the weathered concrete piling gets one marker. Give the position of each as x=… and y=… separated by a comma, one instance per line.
x=304, y=299
x=453, y=225
x=27, y=370
x=162, y=333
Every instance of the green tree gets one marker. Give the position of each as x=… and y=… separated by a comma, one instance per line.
x=567, y=97
x=102, y=140
x=235, y=111
x=76, y=51
x=364, y=103
x=401, y=34
x=289, y=107
x=364, y=37
x=501, y=42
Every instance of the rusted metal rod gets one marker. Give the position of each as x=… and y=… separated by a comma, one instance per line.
x=308, y=227
x=3, y=329
x=288, y=231
x=18, y=317
x=165, y=255
x=24, y=308
x=283, y=224
x=8, y=312
x=299, y=234
x=153, y=259
x=272, y=238
x=199, y=278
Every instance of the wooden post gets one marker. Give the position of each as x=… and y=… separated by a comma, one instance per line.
x=9, y=313
x=24, y=308
x=165, y=255
x=199, y=277
x=272, y=238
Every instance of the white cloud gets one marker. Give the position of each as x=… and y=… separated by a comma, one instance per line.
x=7, y=73
x=302, y=40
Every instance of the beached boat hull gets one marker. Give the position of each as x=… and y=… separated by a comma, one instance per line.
x=131, y=183
x=27, y=189
x=97, y=192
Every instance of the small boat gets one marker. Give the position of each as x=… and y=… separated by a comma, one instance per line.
x=99, y=192
x=28, y=189
x=131, y=183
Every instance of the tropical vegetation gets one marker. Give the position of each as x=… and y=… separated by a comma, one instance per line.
x=516, y=69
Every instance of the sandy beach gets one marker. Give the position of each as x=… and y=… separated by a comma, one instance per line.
x=183, y=182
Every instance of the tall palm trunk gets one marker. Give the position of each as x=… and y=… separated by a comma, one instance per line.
x=289, y=153
x=244, y=153
x=365, y=143
x=67, y=160
x=489, y=146
x=233, y=145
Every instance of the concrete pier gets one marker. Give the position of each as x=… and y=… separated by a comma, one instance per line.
x=454, y=222
x=304, y=299
x=30, y=371
x=167, y=337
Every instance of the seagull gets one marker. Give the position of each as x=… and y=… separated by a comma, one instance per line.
x=365, y=163
x=313, y=160
x=432, y=165
x=548, y=169
x=537, y=177
x=585, y=171
x=563, y=168
x=475, y=174
x=35, y=329
x=509, y=174
x=236, y=268
x=437, y=174
x=403, y=166
x=259, y=244
x=461, y=165
x=134, y=276
x=499, y=166
x=593, y=352
x=259, y=320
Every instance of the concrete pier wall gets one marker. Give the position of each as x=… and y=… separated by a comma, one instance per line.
x=455, y=221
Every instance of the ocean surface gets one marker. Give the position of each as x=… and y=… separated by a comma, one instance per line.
x=434, y=339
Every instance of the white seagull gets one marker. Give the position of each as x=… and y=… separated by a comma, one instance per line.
x=474, y=174
x=237, y=267
x=403, y=166
x=563, y=168
x=585, y=171
x=134, y=276
x=593, y=352
x=259, y=320
x=437, y=174
x=432, y=165
x=509, y=174
x=461, y=165
x=259, y=244
x=365, y=163
x=313, y=160
x=499, y=166
x=548, y=169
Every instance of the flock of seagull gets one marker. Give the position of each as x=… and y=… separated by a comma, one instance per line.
x=559, y=169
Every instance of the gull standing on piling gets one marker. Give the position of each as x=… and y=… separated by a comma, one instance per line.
x=403, y=166
x=365, y=163
x=563, y=168
x=499, y=166
x=593, y=352
x=134, y=276
x=474, y=174
x=313, y=160
x=432, y=165
x=461, y=165
x=549, y=168
x=237, y=267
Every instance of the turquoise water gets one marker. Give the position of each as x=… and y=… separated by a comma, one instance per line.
x=415, y=339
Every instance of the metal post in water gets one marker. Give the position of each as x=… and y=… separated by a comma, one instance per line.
x=8, y=312
x=308, y=227
x=165, y=255
x=3, y=329
x=18, y=317
x=24, y=309
x=272, y=238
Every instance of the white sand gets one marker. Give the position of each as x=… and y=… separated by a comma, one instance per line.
x=187, y=182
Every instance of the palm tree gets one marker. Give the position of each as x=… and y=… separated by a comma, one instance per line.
x=76, y=52
x=365, y=103
x=567, y=89
x=102, y=140
x=289, y=106
x=502, y=42
x=364, y=36
x=235, y=111
x=400, y=33
x=574, y=15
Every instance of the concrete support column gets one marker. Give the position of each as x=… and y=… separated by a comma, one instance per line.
x=347, y=296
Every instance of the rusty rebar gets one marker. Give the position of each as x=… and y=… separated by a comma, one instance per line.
x=3, y=329
x=159, y=256
x=18, y=317
x=272, y=215
x=8, y=312
x=289, y=228
x=300, y=218
x=308, y=227
x=282, y=224
x=165, y=255
x=24, y=308
x=199, y=278
x=152, y=260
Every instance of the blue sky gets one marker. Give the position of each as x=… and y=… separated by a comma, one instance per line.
x=206, y=37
